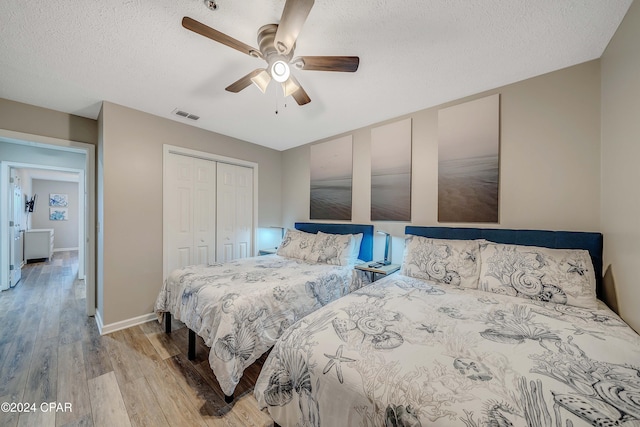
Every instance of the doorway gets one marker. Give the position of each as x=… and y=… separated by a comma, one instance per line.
x=18, y=151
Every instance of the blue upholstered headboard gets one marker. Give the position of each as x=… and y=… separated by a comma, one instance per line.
x=366, y=247
x=548, y=239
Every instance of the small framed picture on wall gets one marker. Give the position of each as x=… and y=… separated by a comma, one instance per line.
x=58, y=200
x=58, y=214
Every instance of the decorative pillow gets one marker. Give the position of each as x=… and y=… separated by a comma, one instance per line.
x=452, y=262
x=335, y=249
x=296, y=244
x=562, y=276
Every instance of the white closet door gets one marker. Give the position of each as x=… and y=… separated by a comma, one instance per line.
x=191, y=185
x=204, y=220
x=244, y=211
x=235, y=212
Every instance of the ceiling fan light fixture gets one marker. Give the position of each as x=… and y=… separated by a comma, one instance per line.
x=280, y=71
x=262, y=80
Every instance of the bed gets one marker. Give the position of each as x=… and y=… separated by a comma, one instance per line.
x=426, y=347
x=241, y=307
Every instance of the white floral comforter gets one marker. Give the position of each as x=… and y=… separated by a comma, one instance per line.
x=242, y=307
x=404, y=352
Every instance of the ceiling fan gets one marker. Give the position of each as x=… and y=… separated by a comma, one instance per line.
x=277, y=43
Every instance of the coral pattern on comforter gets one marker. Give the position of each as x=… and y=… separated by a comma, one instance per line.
x=240, y=308
x=405, y=352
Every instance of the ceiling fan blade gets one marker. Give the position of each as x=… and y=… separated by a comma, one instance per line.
x=245, y=81
x=347, y=64
x=293, y=17
x=293, y=87
x=215, y=35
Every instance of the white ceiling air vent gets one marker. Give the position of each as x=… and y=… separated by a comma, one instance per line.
x=184, y=114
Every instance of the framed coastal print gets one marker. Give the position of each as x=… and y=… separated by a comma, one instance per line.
x=58, y=200
x=331, y=179
x=391, y=172
x=469, y=161
x=58, y=214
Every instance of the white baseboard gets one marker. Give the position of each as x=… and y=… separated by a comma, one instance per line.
x=123, y=324
x=66, y=249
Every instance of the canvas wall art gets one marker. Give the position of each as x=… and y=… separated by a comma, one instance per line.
x=331, y=179
x=58, y=200
x=391, y=172
x=58, y=214
x=468, y=161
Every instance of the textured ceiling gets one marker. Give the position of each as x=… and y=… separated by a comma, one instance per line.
x=69, y=55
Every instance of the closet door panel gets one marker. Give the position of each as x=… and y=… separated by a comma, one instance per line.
x=180, y=211
x=204, y=235
x=226, y=211
x=235, y=212
x=244, y=211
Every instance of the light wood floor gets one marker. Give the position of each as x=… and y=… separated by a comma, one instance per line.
x=50, y=351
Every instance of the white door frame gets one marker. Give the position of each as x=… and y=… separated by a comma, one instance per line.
x=172, y=149
x=86, y=192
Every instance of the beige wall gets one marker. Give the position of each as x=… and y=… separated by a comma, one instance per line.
x=19, y=117
x=130, y=157
x=620, y=156
x=550, y=159
x=65, y=232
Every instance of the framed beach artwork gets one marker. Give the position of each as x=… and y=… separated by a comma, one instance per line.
x=391, y=172
x=469, y=161
x=58, y=214
x=59, y=200
x=331, y=179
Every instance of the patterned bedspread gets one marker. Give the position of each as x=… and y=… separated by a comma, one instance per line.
x=240, y=308
x=404, y=352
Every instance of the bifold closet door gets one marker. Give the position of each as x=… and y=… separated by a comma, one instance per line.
x=191, y=211
x=235, y=212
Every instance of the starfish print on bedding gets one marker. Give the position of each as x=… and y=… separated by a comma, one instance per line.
x=335, y=360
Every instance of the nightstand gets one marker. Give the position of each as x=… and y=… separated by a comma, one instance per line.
x=268, y=251
x=383, y=270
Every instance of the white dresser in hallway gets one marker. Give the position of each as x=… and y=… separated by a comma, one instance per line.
x=38, y=244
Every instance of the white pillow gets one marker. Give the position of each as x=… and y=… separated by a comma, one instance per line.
x=452, y=262
x=335, y=249
x=355, y=249
x=296, y=244
x=562, y=276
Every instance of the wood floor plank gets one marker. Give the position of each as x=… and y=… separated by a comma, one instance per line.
x=149, y=360
x=175, y=404
x=85, y=421
x=107, y=407
x=72, y=383
x=42, y=382
x=96, y=355
x=123, y=358
x=245, y=411
x=38, y=418
x=163, y=344
x=9, y=419
x=209, y=400
x=142, y=406
x=15, y=368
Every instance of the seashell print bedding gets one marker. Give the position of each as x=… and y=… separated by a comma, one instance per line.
x=242, y=307
x=407, y=352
